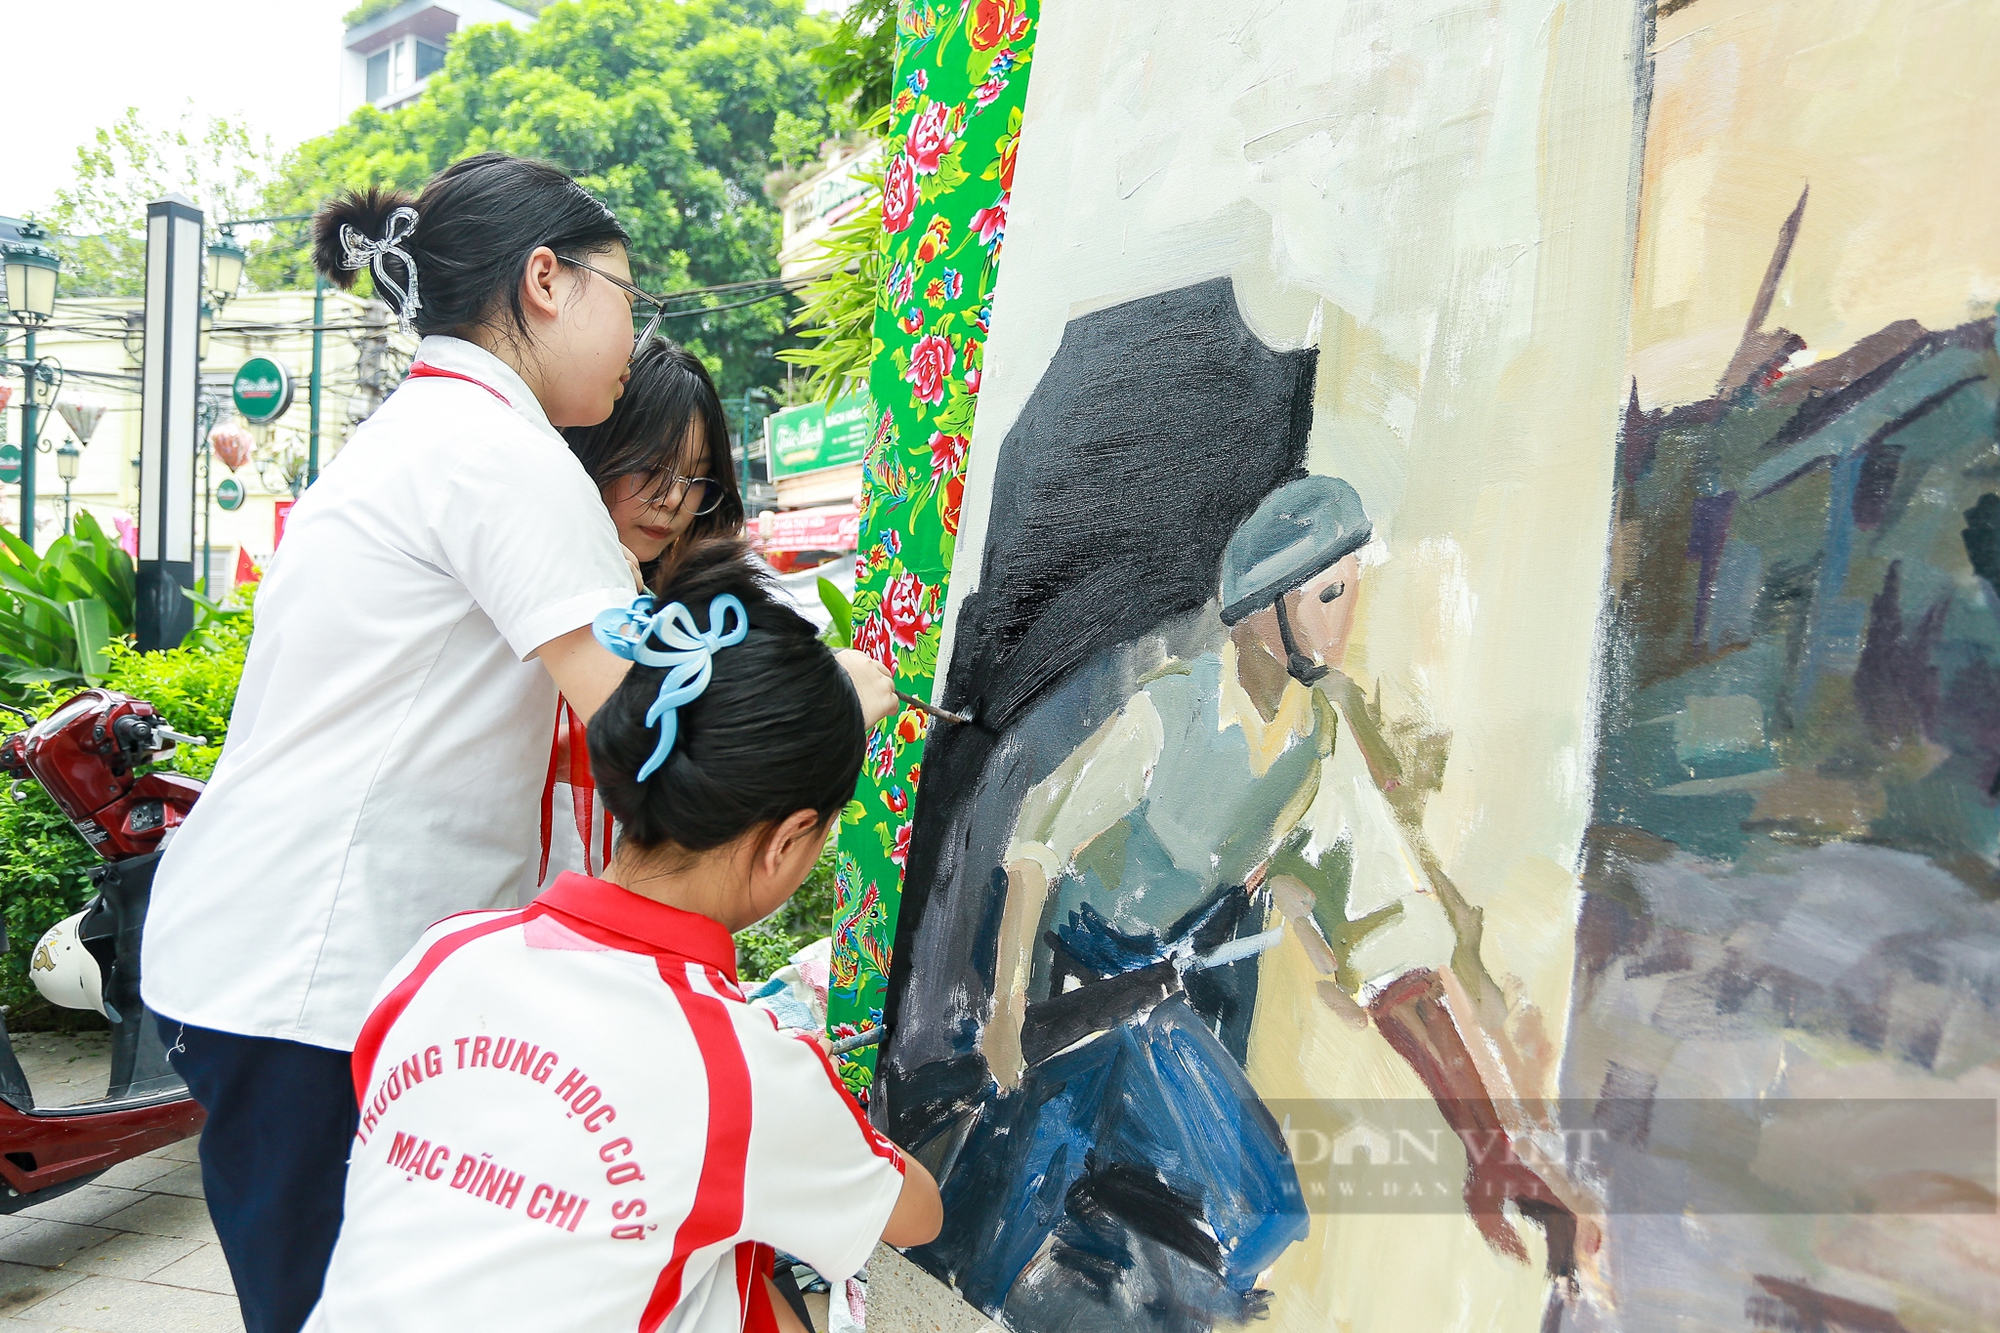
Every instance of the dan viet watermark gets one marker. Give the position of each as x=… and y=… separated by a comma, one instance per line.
x=1713, y=1157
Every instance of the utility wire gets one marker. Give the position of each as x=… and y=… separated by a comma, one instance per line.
x=733, y=305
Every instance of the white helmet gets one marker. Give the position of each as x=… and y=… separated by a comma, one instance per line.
x=65, y=971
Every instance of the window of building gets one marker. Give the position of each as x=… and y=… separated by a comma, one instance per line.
x=378, y=74
x=430, y=59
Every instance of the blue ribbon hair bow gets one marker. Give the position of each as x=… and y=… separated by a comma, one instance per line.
x=689, y=656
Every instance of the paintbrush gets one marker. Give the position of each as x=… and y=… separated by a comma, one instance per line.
x=860, y=1039
x=938, y=713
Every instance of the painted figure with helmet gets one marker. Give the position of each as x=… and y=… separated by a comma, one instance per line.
x=1238, y=794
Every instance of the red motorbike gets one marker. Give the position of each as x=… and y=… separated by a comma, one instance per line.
x=93, y=756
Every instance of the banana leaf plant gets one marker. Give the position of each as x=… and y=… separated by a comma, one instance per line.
x=60, y=610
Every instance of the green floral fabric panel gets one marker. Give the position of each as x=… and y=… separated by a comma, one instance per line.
x=962, y=72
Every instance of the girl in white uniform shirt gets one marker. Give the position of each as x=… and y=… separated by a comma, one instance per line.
x=391, y=732
x=570, y=1117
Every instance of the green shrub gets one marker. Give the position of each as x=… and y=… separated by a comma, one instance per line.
x=767, y=946
x=45, y=863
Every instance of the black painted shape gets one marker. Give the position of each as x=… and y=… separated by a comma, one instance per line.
x=1159, y=426
x=1982, y=539
x=1145, y=1204
x=1062, y=1020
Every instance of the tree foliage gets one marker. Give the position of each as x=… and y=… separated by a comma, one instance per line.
x=859, y=55
x=221, y=165
x=837, y=320
x=667, y=111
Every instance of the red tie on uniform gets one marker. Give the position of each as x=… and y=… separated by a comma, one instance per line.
x=571, y=742
x=423, y=370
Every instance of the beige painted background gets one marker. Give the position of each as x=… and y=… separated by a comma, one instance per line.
x=1439, y=197
x=1884, y=109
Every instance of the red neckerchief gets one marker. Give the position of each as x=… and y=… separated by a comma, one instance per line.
x=582, y=789
x=423, y=370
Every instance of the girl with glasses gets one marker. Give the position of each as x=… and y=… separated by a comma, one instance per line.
x=661, y=460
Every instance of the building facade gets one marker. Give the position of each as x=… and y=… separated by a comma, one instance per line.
x=96, y=344
x=805, y=474
x=387, y=60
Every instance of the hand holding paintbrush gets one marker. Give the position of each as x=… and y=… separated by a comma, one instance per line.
x=938, y=713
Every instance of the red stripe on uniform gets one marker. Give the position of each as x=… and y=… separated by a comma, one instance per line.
x=753, y=1298
x=369, y=1044
x=877, y=1142
x=718, y=1195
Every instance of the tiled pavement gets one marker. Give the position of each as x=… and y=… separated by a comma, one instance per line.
x=131, y=1252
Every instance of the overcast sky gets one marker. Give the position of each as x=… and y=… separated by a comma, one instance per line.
x=71, y=67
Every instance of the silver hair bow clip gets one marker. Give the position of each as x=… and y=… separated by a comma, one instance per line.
x=359, y=252
x=688, y=657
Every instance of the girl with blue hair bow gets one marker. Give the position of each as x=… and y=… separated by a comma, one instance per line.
x=660, y=462
x=643, y=1176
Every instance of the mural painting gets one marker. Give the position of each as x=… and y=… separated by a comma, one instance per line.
x=1790, y=888
x=1476, y=588
x=1273, y=797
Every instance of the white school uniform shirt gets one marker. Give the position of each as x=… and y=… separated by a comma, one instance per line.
x=571, y=1119
x=390, y=738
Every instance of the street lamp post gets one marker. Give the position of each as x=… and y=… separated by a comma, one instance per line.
x=67, y=458
x=82, y=416
x=32, y=272
x=754, y=391
x=225, y=271
x=208, y=416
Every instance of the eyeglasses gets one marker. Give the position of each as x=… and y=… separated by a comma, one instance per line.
x=677, y=490
x=639, y=298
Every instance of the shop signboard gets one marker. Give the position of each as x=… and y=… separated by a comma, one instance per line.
x=818, y=436
x=827, y=528
x=262, y=390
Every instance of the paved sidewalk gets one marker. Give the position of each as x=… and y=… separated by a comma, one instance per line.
x=131, y=1252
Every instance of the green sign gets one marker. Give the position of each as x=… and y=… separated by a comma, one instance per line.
x=229, y=494
x=10, y=463
x=262, y=389
x=806, y=439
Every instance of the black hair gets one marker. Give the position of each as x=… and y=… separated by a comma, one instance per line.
x=778, y=730
x=477, y=222
x=668, y=392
